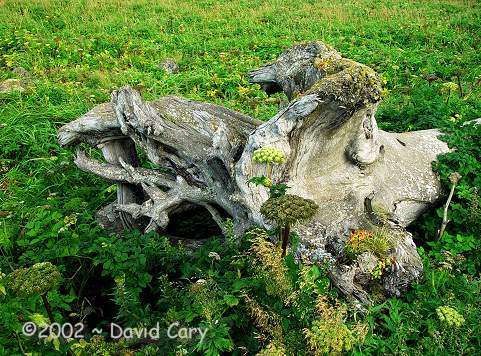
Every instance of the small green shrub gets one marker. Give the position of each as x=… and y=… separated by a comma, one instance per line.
x=377, y=242
x=287, y=210
x=329, y=334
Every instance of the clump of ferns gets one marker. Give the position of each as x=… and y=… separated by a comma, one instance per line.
x=207, y=300
x=275, y=274
x=329, y=333
x=267, y=322
x=326, y=329
x=285, y=210
x=271, y=267
x=312, y=283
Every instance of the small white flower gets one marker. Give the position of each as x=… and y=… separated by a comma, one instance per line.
x=214, y=256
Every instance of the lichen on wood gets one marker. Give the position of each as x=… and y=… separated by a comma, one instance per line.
x=333, y=154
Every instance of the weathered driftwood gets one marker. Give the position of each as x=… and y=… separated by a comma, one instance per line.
x=359, y=175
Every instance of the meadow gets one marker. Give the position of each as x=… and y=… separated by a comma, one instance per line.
x=70, y=55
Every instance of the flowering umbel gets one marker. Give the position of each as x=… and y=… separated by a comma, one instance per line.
x=286, y=211
x=268, y=155
x=40, y=278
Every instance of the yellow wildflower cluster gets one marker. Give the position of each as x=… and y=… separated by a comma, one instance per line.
x=450, y=316
x=377, y=271
x=268, y=155
x=70, y=220
x=2, y=287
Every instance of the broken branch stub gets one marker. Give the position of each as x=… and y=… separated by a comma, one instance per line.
x=360, y=176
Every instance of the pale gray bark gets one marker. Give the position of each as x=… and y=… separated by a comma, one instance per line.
x=359, y=175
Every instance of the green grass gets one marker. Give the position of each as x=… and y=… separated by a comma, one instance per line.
x=77, y=52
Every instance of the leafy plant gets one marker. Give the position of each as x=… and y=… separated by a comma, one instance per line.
x=286, y=211
x=269, y=156
x=40, y=278
x=329, y=334
x=376, y=242
x=72, y=65
x=281, y=208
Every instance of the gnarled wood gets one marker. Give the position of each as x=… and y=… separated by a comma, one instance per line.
x=360, y=176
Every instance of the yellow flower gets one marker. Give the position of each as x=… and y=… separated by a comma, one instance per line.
x=243, y=90
x=213, y=93
x=268, y=155
x=449, y=316
x=70, y=220
x=450, y=86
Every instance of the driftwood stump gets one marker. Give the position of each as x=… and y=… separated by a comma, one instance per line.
x=359, y=176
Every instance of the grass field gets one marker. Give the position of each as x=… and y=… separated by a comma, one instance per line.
x=78, y=52
x=428, y=53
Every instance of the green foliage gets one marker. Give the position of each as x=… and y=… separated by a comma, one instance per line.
x=271, y=270
x=129, y=261
x=464, y=214
x=297, y=305
x=97, y=346
x=262, y=180
x=377, y=242
x=427, y=54
x=278, y=190
x=329, y=334
x=459, y=245
x=465, y=210
x=411, y=325
x=275, y=190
